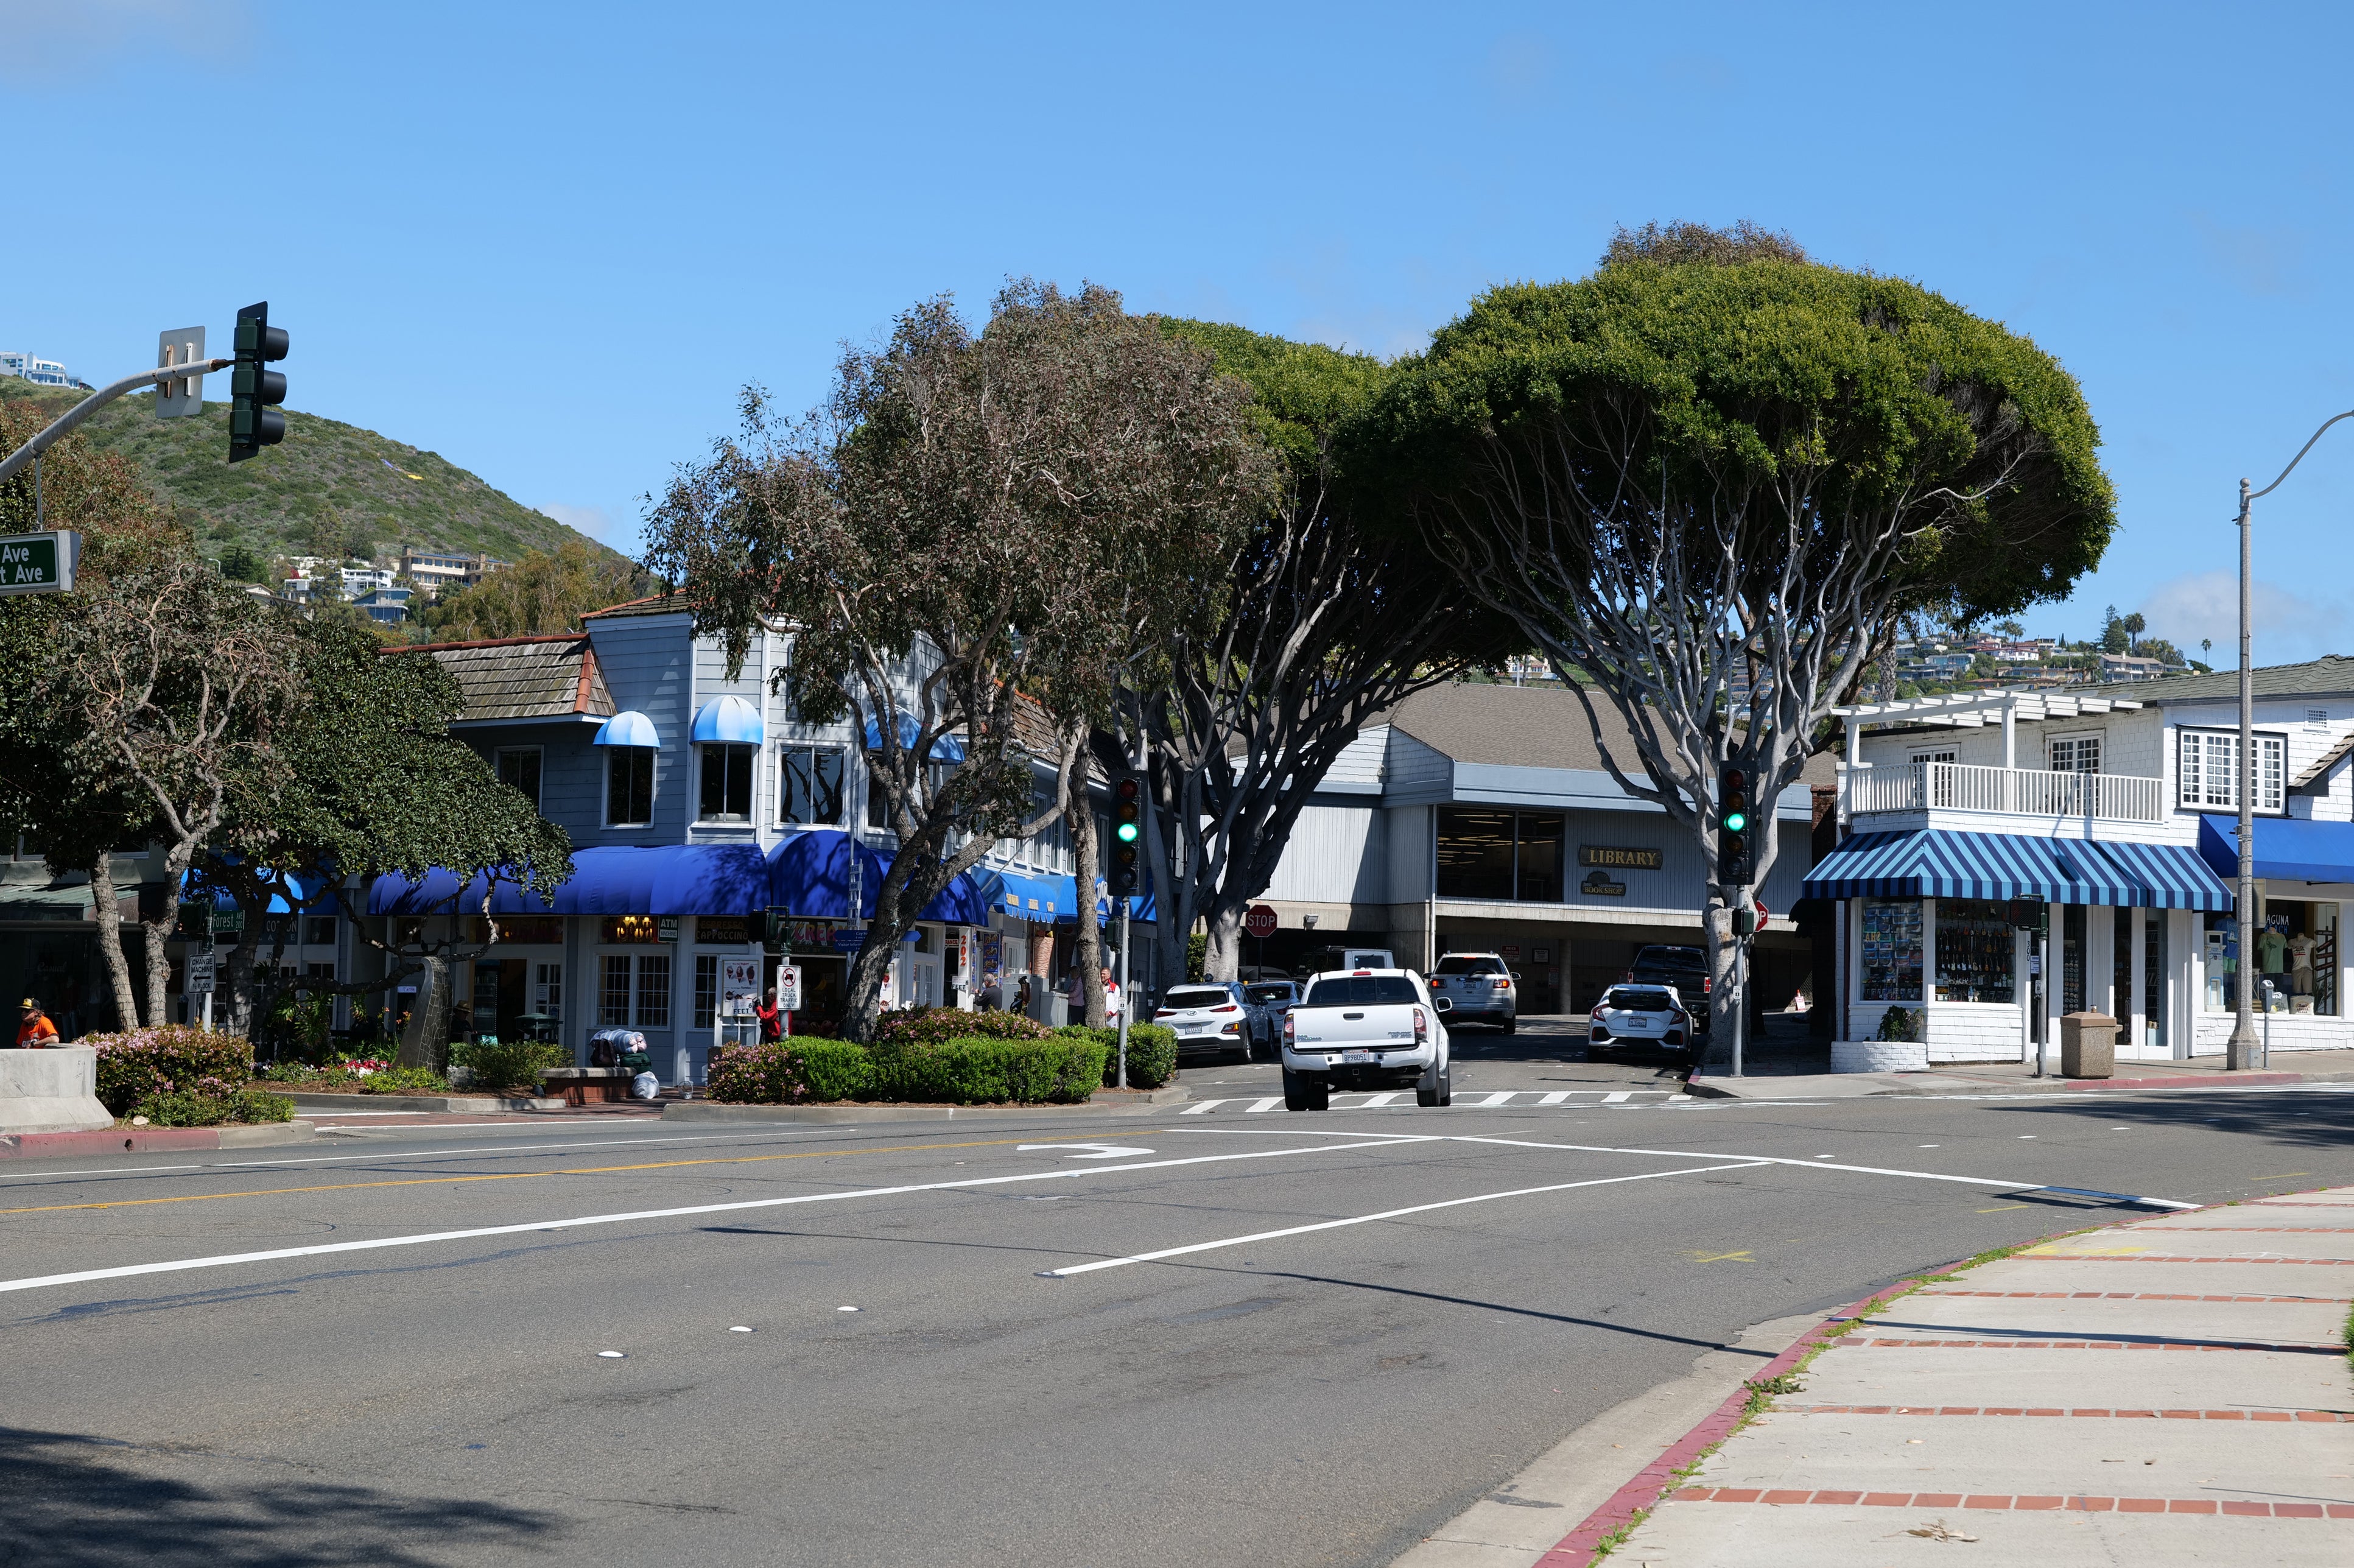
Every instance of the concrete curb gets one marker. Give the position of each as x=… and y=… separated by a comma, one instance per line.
x=1576, y=1549
x=1892, y=1086
x=152, y=1140
x=460, y=1105
x=707, y=1110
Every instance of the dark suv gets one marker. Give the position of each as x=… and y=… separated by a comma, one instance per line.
x=1686, y=968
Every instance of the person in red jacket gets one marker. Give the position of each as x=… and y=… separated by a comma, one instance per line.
x=771, y=1017
x=36, y=1032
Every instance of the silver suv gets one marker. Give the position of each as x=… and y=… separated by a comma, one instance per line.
x=1482, y=987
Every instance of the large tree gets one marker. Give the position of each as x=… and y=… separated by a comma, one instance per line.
x=371, y=783
x=974, y=521
x=1321, y=619
x=545, y=592
x=1709, y=480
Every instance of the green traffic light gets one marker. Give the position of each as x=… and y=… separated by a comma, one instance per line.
x=1735, y=821
x=1127, y=832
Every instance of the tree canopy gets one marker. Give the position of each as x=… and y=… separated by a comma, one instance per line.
x=543, y=592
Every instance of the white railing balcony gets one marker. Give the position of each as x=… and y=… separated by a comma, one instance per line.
x=2019, y=792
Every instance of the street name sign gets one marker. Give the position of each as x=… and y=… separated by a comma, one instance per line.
x=39, y=563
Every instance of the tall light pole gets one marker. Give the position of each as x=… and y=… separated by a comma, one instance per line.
x=2245, y=1044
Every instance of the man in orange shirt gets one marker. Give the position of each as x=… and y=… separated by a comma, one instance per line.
x=36, y=1031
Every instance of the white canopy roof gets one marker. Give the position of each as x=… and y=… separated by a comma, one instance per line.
x=1968, y=709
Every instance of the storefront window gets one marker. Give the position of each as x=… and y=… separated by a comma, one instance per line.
x=2296, y=950
x=707, y=988
x=653, y=990
x=2153, y=976
x=613, y=992
x=2071, y=958
x=1975, y=957
x=1892, y=950
x=2121, y=957
x=1501, y=856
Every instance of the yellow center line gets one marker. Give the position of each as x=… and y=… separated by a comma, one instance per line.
x=2280, y=1176
x=509, y=1176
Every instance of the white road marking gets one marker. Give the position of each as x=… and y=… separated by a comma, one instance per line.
x=324, y=1249
x=1268, y=1104
x=1203, y=1106
x=1380, y=1100
x=1102, y=1150
x=1369, y=1219
x=370, y=1159
x=1615, y=1099
x=1501, y=1096
x=1555, y=1098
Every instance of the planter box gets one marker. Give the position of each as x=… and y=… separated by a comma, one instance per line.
x=1879, y=1056
x=55, y=1090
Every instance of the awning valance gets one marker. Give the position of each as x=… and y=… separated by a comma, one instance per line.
x=1940, y=863
x=1028, y=896
x=663, y=879
x=808, y=876
x=2288, y=849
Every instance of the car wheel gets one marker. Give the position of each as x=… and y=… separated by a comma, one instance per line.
x=1300, y=1096
x=1508, y=1026
x=1425, y=1098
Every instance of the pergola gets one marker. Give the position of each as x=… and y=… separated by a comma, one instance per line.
x=1971, y=709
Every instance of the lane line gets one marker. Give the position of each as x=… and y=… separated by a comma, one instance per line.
x=177, y=1265
x=1369, y=1219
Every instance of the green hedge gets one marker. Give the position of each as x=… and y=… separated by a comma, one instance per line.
x=1152, y=1052
x=939, y=1025
x=1062, y=1068
x=513, y=1063
x=181, y=1108
x=169, y=1059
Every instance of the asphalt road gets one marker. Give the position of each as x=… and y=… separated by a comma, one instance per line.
x=1326, y=1394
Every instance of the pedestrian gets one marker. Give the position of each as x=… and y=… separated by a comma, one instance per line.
x=771, y=1017
x=1022, y=997
x=1111, y=998
x=36, y=1032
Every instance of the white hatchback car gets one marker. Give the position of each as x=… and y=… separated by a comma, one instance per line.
x=1641, y=1015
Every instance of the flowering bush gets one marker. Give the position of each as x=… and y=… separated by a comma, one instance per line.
x=166, y=1059
x=363, y=1066
x=936, y=1025
x=772, y=1074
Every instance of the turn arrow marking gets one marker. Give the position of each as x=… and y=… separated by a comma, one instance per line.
x=1106, y=1151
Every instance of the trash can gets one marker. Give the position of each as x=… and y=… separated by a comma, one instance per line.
x=2088, y=1045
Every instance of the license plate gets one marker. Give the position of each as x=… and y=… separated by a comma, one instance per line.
x=1357, y=1058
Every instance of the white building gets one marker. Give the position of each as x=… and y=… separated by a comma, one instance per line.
x=40, y=371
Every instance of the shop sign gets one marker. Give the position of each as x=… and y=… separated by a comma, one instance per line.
x=1509, y=949
x=739, y=984
x=722, y=930
x=850, y=941
x=666, y=929
x=1621, y=857
x=1597, y=885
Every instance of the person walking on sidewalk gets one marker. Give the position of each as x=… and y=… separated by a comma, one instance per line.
x=771, y=1017
x=36, y=1032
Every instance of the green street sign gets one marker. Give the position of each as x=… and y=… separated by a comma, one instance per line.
x=39, y=563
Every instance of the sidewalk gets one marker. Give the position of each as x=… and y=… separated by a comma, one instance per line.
x=2005, y=1407
x=2019, y=1078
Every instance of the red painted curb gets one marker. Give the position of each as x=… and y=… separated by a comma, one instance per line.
x=114, y=1141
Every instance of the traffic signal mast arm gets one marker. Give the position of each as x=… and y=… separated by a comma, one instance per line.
x=99, y=399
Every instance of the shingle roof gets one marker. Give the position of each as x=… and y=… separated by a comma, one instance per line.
x=657, y=603
x=2328, y=676
x=525, y=677
x=1530, y=726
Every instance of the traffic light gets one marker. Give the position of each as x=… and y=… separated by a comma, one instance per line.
x=253, y=422
x=1736, y=862
x=1128, y=827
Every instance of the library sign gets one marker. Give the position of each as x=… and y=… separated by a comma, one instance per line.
x=39, y=563
x=1606, y=858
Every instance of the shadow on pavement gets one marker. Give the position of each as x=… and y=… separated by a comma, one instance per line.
x=2291, y=1119
x=74, y=1500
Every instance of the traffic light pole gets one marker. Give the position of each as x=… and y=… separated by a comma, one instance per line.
x=64, y=423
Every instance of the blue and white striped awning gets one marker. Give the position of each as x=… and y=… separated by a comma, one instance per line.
x=1938, y=864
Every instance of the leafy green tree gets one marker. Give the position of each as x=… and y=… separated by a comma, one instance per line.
x=240, y=565
x=541, y=593
x=1016, y=508
x=369, y=782
x=1690, y=479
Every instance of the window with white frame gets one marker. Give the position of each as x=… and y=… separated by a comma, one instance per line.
x=629, y=786
x=634, y=991
x=2074, y=753
x=727, y=783
x=810, y=785
x=2208, y=770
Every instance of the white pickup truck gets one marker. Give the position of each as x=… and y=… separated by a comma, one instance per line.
x=1366, y=1029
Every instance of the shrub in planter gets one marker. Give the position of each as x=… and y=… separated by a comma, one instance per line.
x=404, y=1081
x=979, y=1070
x=166, y=1059
x=1900, y=1023
x=1151, y=1051
x=182, y=1108
x=936, y=1025
x=772, y=1073
x=509, y=1065
x=837, y=1070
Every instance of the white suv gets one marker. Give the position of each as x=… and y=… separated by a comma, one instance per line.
x=1482, y=986
x=1366, y=1029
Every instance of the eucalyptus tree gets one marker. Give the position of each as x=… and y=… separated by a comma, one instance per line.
x=1322, y=619
x=1709, y=480
x=974, y=521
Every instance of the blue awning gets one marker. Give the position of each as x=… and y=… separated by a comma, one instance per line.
x=664, y=879
x=808, y=876
x=306, y=892
x=945, y=748
x=729, y=719
x=630, y=727
x=1939, y=864
x=1026, y=896
x=2288, y=849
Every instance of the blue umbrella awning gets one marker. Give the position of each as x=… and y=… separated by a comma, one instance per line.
x=1941, y=863
x=627, y=728
x=728, y=719
x=945, y=748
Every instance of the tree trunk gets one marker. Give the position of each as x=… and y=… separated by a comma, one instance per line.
x=868, y=970
x=1223, y=959
x=106, y=908
x=1087, y=855
x=237, y=974
x=428, y=1021
x=1724, y=1004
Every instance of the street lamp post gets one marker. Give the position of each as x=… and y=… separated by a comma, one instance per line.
x=2245, y=1044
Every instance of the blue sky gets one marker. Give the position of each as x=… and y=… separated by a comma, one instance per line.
x=550, y=241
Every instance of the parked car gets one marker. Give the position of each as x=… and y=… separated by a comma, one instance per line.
x=1218, y=1015
x=1273, y=997
x=1366, y=1030
x=1482, y=988
x=1325, y=959
x=1684, y=969
x=1643, y=1016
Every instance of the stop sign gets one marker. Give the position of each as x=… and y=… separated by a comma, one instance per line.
x=1260, y=922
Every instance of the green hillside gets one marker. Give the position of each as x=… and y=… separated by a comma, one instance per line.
x=329, y=488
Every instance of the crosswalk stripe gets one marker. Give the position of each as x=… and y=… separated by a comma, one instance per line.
x=1501, y=1096
x=1268, y=1104
x=1198, y=1108
x=1378, y=1101
x=1553, y=1098
x=1621, y=1095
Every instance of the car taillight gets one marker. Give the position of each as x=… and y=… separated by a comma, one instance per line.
x=1166, y=1012
x=1288, y=1028
x=1421, y=1027
x=1230, y=1007
x=1599, y=1008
